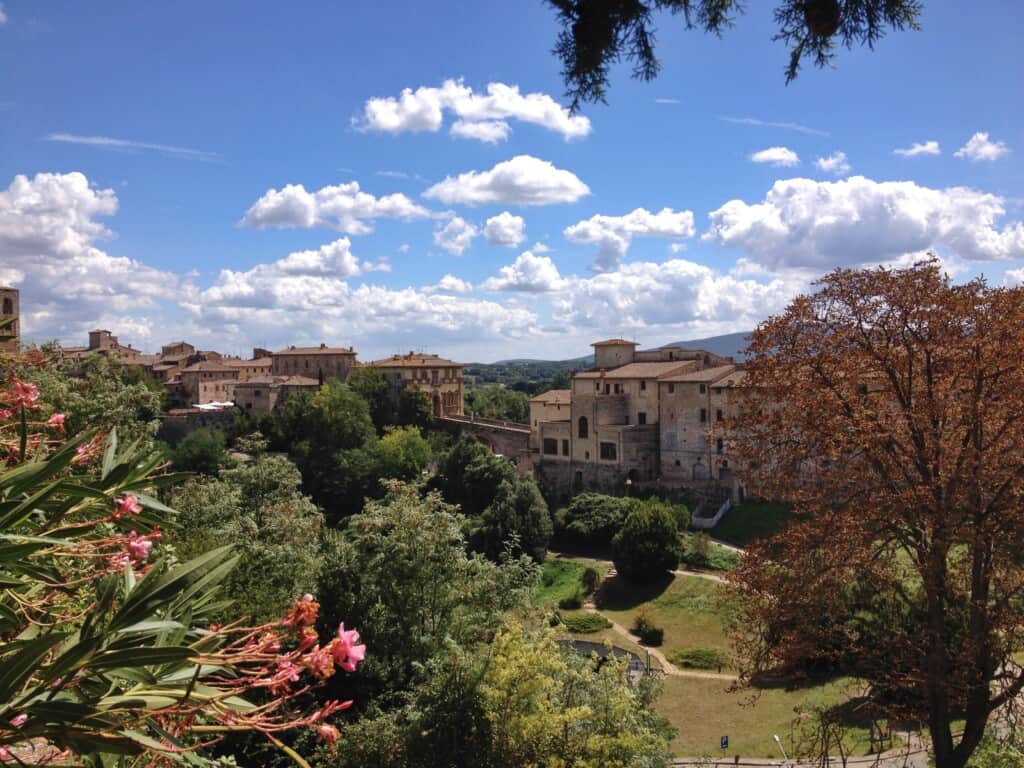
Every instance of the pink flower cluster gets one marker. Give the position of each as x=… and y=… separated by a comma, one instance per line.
x=126, y=505
x=138, y=547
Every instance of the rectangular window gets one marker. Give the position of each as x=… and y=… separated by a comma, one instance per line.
x=550, y=446
x=718, y=414
x=671, y=388
x=703, y=388
x=703, y=415
x=565, y=447
x=719, y=445
x=608, y=451
x=643, y=386
x=641, y=418
x=597, y=386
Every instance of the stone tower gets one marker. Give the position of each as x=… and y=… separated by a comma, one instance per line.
x=10, y=333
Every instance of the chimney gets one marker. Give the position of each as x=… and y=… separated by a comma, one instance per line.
x=322, y=345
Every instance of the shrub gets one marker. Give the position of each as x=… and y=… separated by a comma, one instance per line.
x=646, y=630
x=574, y=601
x=585, y=623
x=592, y=519
x=697, y=658
x=199, y=451
x=648, y=544
x=591, y=580
x=682, y=515
x=698, y=551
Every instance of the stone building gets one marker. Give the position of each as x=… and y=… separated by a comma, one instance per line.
x=9, y=311
x=249, y=369
x=637, y=417
x=261, y=394
x=103, y=342
x=209, y=381
x=319, y=363
x=439, y=378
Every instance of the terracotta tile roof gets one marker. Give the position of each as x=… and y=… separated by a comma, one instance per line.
x=262, y=362
x=557, y=396
x=298, y=381
x=210, y=365
x=737, y=379
x=706, y=376
x=639, y=370
x=258, y=381
x=323, y=349
x=414, y=360
x=613, y=343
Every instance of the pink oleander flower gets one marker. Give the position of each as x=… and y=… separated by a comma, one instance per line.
x=6, y=413
x=5, y=754
x=56, y=421
x=289, y=671
x=347, y=654
x=22, y=395
x=19, y=720
x=303, y=613
x=320, y=662
x=126, y=505
x=138, y=547
x=328, y=733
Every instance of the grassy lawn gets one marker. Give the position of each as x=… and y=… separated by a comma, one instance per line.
x=560, y=578
x=690, y=609
x=704, y=710
x=749, y=521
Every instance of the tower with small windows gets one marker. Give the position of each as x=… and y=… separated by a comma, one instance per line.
x=10, y=323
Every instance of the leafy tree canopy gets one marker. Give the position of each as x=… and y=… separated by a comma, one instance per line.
x=598, y=33
x=518, y=520
x=647, y=546
x=201, y=450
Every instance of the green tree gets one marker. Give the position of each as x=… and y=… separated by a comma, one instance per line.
x=648, y=545
x=470, y=475
x=274, y=528
x=404, y=453
x=201, y=450
x=592, y=519
x=402, y=574
x=594, y=36
x=517, y=520
x=369, y=383
x=495, y=401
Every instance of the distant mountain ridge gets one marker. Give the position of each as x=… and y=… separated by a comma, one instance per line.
x=727, y=345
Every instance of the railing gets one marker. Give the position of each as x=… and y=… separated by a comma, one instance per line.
x=705, y=523
x=488, y=422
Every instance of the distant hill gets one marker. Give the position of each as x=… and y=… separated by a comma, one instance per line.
x=729, y=345
x=529, y=375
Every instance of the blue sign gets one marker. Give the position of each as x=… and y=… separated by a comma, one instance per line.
x=725, y=742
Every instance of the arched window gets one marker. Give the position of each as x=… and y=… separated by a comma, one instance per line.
x=584, y=428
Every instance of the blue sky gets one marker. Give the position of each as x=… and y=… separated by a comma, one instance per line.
x=151, y=157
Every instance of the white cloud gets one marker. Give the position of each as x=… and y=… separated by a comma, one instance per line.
x=528, y=274
x=789, y=126
x=817, y=225
x=677, y=247
x=919, y=148
x=539, y=247
x=523, y=180
x=667, y=101
x=455, y=236
x=487, y=131
x=980, y=147
x=3, y=15
x=613, y=234
x=505, y=229
x=836, y=164
x=403, y=248
x=450, y=284
x=1013, y=278
x=344, y=207
x=48, y=229
x=423, y=110
x=777, y=156
x=675, y=294
x=107, y=142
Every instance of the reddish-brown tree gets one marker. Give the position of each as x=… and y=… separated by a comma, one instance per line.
x=888, y=407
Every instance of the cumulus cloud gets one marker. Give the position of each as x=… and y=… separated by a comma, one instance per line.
x=836, y=164
x=450, y=284
x=808, y=224
x=424, y=108
x=344, y=207
x=919, y=148
x=3, y=15
x=487, y=131
x=523, y=180
x=980, y=147
x=613, y=234
x=1013, y=278
x=455, y=236
x=777, y=156
x=505, y=229
x=676, y=294
x=49, y=225
x=527, y=274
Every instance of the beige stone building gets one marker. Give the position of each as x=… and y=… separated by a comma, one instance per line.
x=209, y=381
x=103, y=342
x=10, y=335
x=261, y=394
x=249, y=369
x=439, y=378
x=637, y=417
x=321, y=362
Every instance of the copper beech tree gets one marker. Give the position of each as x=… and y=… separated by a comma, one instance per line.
x=888, y=408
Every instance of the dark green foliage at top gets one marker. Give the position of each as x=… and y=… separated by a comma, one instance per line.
x=200, y=451
x=592, y=519
x=597, y=33
x=494, y=401
x=648, y=544
x=389, y=406
x=518, y=519
x=471, y=475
